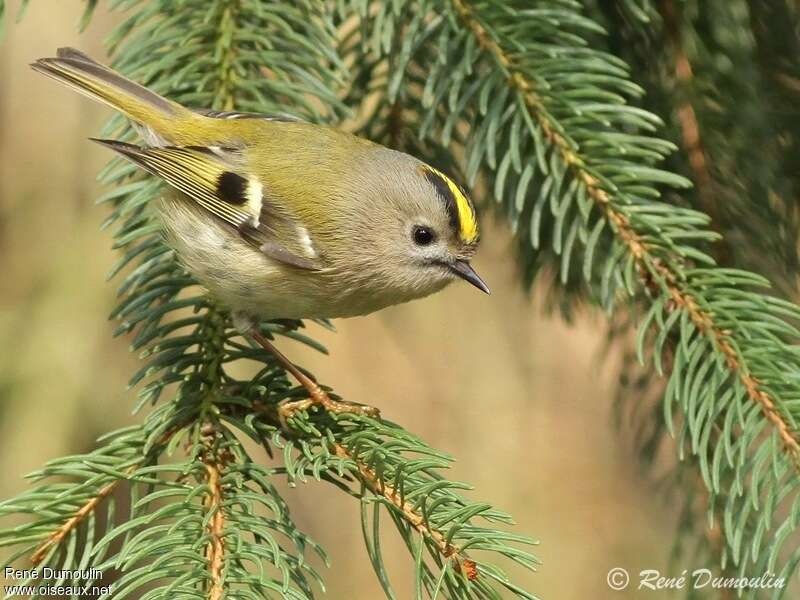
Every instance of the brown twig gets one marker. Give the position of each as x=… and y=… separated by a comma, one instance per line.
x=687, y=119
x=214, y=460
x=215, y=549
x=690, y=129
x=625, y=231
x=59, y=534
x=411, y=516
x=71, y=523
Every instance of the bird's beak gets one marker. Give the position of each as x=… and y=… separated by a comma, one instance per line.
x=464, y=270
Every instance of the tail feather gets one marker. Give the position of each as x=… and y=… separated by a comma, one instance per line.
x=87, y=76
x=68, y=52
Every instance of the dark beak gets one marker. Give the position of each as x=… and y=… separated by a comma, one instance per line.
x=464, y=270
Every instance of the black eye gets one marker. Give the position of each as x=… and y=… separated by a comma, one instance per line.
x=423, y=235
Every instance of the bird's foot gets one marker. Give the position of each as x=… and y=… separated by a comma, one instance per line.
x=319, y=397
x=316, y=395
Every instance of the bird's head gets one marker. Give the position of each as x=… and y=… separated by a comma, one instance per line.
x=422, y=228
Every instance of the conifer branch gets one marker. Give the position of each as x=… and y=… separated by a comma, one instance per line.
x=68, y=526
x=382, y=488
x=747, y=158
x=195, y=522
x=542, y=115
x=687, y=117
x=59, y=534
x=215, y=548
x=649, y=265
x=516, y=94
x=752, y=191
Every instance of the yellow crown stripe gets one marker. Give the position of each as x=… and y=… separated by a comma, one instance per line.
x=458, y=205
x=466, y=213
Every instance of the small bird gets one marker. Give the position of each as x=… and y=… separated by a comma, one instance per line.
x=280, y=218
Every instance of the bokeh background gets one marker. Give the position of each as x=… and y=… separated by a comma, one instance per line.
x=522, y=399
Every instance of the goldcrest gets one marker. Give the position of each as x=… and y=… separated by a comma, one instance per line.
x=280, y=218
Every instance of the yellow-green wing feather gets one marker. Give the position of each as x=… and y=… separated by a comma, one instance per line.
x=211, y=177
x=200, y=175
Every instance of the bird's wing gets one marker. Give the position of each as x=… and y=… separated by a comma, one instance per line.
x=213, y=177
x=237, y=114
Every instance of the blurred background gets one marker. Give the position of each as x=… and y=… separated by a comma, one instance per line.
x=497, y=382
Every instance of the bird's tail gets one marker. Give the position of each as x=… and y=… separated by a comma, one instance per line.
x=82, y=73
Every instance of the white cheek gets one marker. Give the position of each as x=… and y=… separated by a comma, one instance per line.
x=433, y=252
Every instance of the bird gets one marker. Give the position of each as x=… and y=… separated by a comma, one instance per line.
x=279, y=218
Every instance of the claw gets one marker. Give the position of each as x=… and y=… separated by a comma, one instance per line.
x=288, y=409
x=317, y=396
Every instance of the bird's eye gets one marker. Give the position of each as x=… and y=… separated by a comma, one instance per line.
x=423, y=236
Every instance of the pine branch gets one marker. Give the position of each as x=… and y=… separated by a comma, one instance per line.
x=743, y=131
x=526, y=98
x=520, y=97
x=670, y=275
x=749, y=205
x=687, y=116
x=747, y=134
x=646, y=257
x=196, y=526
x=57, y=537
x=215, y=549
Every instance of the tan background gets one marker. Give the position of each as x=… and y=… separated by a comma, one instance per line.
x=517, y=396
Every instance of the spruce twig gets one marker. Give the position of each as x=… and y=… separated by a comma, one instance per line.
x=525, y=99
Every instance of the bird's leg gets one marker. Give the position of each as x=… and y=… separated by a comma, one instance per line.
x=316, y=395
